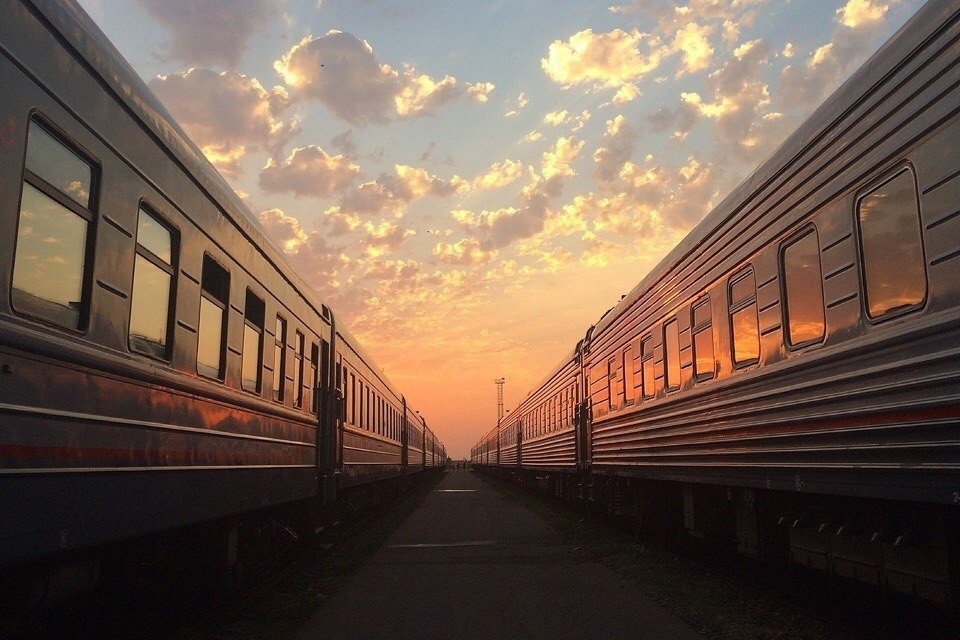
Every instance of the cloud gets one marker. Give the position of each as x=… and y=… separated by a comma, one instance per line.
x=500, y=174
x=384, y=236
x=209, y=32
x=857, y=13
x=342, y=72
x=522, y=101
x=480, y=91
x=504, y=226
x=227, y=113
x=532, y=136
x=420, y=94
x=309, y=171
x=464, y=252
x=391, y=193
x=555, y=118
x=285, y=230
x=693, y=43
x=805, y=85
x=611, y=59
x=618, y=143
x=679, y=121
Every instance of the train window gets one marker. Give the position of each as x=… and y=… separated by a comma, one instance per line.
x=298, y=370
x=803, y=290
x=648, y=370
x=703, y=360
x=363, y=398
x=152, y=298
x=353, y=399
x=629, y=376
x=671, y=341
x=314, y=379
x=58, y=165
x=53, y=232
x=893, y=269
x=251, y=370
x=744, y=321
x=279, y=359
x=613, y=393
x=212, y=334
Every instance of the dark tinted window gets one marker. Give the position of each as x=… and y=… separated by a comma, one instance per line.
x=893, y=269
x=703, y=359
x=152, y=297
x=53, y=230
x=671, y=341
x=743, y=318
x=612, y=383
x=253, y=320
x=211, y=334
x=803, y=285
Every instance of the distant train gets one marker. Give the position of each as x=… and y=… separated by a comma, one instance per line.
x=160, y=364
x=786, y=381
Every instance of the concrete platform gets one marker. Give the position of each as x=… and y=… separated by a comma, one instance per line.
x=469, y=563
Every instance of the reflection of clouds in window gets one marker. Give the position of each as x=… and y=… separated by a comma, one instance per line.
x=804, y=299
x=892, y=247
x=744, y=319
x=58, y=165
x=48, y=267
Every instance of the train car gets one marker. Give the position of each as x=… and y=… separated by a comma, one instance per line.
x=786, y=380
x=161, y=364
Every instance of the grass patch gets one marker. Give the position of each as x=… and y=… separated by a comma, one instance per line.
x=708, y=601
x=278, y=610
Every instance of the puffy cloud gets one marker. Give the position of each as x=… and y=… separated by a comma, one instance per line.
x=463, y=252
x=420, y=94
x=618, y=143
x=555, y=118
x=857, y=13
x=611, y=59
x=342, y=72
x=285, y=230
x=693, y=43
x=209, y=32
x=500, y=174
x=738, y=106
x=556, y=161
x=504, y=226
x=390, y=193
x=226, y=113
x=384, y=236
x=309, y=171
x=480, y=91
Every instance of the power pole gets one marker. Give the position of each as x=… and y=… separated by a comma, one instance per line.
x=499, y=382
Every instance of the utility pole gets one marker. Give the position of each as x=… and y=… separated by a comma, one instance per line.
x=499, y=382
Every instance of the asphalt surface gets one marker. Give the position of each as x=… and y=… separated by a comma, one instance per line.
x=470, y=563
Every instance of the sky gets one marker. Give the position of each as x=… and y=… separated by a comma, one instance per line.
x=470, y=185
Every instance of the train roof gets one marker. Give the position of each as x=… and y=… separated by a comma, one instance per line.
x=914, y=32
x=80, y=31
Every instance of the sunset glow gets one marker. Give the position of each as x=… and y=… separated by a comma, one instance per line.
x=470, y=186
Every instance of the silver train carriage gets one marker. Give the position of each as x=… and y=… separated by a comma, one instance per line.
x=788, y=376
x=160, y=363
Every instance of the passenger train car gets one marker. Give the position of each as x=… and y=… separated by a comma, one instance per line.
x=787, y=379
x=160, y=363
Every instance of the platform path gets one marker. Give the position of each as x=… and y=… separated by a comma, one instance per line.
x=469, y=563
